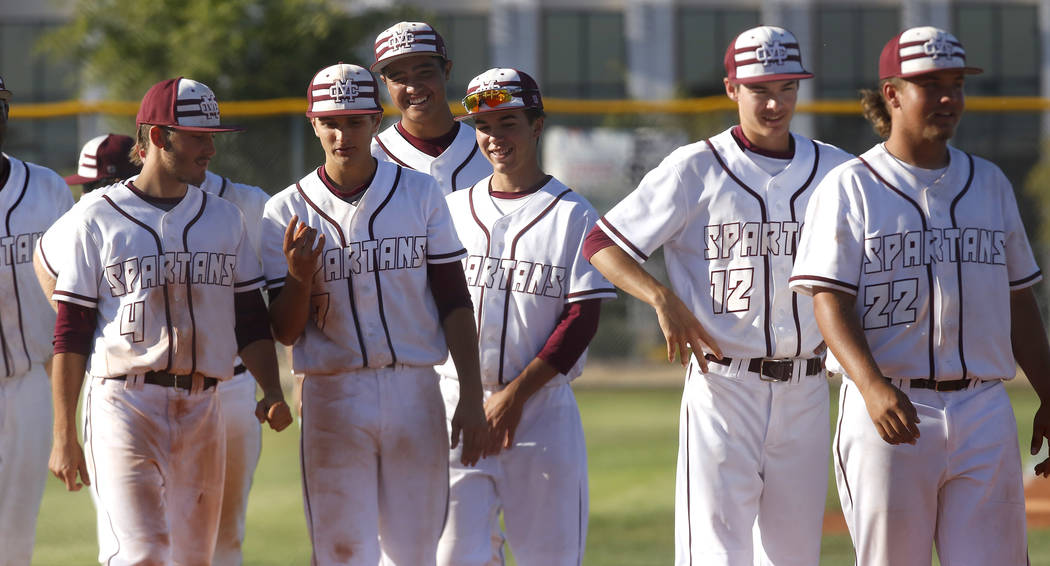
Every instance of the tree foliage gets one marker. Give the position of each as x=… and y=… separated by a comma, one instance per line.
x=243, y=49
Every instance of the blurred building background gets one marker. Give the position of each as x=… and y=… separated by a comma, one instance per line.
x=585, y=50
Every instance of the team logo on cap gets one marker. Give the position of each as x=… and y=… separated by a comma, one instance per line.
x=938, y=46
x=772, y=53
x=210, y=107
x=488, y=84
x=343, y=90
x=402, y=38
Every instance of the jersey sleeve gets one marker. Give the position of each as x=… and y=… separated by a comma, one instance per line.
x=249, y=276
x=832, y=245
x=1021, y=267
x=443, y=244
x=653, y=213
x=585, y=281
x=53, y=253
x=78, y=281
x=275, y=219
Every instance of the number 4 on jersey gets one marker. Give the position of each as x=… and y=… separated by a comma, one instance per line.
x=131, y=320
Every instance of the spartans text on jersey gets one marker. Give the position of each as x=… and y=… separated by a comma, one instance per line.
x=402, y=252
x=521, y=276
x=751, y=239
x=200, y=268
x=922, y=247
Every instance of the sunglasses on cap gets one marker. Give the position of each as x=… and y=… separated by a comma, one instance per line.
x=491, y=98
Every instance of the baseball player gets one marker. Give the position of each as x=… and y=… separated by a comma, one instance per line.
x=162, y=292
x=537, y=301
x=110, y=154
x=753, y=440
x=104, y=160
x=412, y=62
x=921, y=276
x=362, y=261
x=31, y=198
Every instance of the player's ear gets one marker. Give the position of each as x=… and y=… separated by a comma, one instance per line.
x=731, y=89
x=377, y=119
x=537, y=127
x=448, y=69
x=891, y=93
x=313, y=124
x=158, y=137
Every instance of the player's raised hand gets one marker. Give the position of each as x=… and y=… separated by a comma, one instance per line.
x=67, y=462
x=273, y=411
x=1043, y=468
x=893, y=414
x=469, y=423
x=683, y=331
x=300, y=251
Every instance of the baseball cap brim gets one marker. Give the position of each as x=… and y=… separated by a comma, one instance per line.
x=79, y=180
x=212, y=129
x=343, y=113
x=771, y=78
x=379, y=65
x=965, y=70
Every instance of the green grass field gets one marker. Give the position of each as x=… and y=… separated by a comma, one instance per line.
x=632, y=447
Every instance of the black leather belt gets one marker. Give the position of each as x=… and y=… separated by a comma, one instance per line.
x=165, y=379
x=775, y=370
x=239, y=369
x=950, y=385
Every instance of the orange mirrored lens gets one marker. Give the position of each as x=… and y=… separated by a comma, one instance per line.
x=491, y=98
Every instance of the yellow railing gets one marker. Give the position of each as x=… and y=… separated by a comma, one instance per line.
x=284, y=106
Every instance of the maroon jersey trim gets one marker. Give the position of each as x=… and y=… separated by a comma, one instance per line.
x=929, y=268
x=189, y=288
x=160, y=251
x=349, y=278
x=9, y=364
x=390, y=154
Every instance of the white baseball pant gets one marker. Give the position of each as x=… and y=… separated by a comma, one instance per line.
x=155, y=456
x=540, y=485
x=243, y=446
x=752, y=468
x=25, y=445
x=374, y=454
x=959, y=486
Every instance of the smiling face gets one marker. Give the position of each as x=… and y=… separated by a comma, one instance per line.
x=509, y=142
x=765, y=110
x=417, y=87
x=926, y=108
x=346, y=139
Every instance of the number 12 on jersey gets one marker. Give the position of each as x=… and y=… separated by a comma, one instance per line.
x=731, y=290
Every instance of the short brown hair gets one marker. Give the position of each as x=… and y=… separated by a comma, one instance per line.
x=875, y=110
x=142, y=142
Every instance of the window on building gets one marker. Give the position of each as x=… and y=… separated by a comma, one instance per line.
x=466, y=38
x=849, y=41
x=1004, y=41
x=584, y=54
x=702, y=36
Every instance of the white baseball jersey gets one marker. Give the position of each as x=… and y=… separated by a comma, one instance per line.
x=523, y=268
x=162, y=282
x=932, y=268
x=32, y=198
x=460, y=166
x=729, y=232
x=371, y=300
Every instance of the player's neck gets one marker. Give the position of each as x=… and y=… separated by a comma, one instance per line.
x=926, y=154
x=518, y=181
x=155, y=182
x=432, y=128
x=778, y=143
x=350, y=177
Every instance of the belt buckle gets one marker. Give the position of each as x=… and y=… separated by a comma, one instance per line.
x=769, y=378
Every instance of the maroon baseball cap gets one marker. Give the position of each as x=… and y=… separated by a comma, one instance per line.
x=182, y=104
x=921, y=50
x=405, y=39
x=4, y=93
x=104, y=157
x=498, y=89
x=764, y=53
